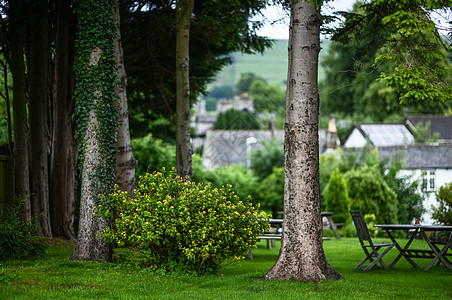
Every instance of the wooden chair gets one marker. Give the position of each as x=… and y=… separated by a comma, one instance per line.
x=370, y=249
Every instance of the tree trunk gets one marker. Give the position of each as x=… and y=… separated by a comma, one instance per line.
x=125, y=161
x=39, y=129
x=184, y=9
x=301, y=256
x=63, y=156
x=89, y=245
x=21, y=166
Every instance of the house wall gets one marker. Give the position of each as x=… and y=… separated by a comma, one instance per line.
x=355, y=140
x=442, y=176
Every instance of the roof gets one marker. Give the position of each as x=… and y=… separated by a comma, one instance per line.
x=438, y=123
x=226, y=147
x=420, y=156
x=381, y=134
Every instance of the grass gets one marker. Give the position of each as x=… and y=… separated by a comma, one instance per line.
x=55, y=277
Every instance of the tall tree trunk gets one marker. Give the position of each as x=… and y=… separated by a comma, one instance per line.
x=125, y=161
x=63, y=156
x=21, y=166
x=89, y=245
x=301, y=256
x=184, y=9
x=39, y=112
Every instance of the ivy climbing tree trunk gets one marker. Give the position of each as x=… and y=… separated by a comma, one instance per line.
x=21, y=166
x=64, y=147
x=39, y=115
x=301, y=256
x=184, y=9
x=125, y=160
x=96, y=118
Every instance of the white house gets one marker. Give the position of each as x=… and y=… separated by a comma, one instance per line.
x=431, y=163
x=378, y=135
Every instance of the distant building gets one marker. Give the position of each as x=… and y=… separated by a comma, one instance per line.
x=441, y=125
x=378, y=135
x=227, y=147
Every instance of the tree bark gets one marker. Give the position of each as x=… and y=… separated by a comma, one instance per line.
x=21, y=166
x=63, y=156
x=184, y=9
x=125, y=160
x=301, y=256
x=89, y=245
x=39, y=112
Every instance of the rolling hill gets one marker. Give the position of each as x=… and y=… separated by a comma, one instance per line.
x=272, y=65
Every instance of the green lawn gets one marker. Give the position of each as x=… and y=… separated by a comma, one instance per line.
x=55, y=277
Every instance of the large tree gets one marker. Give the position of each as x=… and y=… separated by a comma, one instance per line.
x=39, y=114
x=15, y=38
x=301, y=256
x=96, y=115
x=63, y=154
x=125, y=160
x=184, y=10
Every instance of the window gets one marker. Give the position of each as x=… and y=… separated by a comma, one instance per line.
x=428, y=180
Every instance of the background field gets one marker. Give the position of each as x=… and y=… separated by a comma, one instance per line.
x=272, y=65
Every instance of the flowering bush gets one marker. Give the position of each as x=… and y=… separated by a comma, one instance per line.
x=182, y=224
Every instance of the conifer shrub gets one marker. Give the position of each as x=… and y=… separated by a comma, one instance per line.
x=183, y=225
x=337, y=199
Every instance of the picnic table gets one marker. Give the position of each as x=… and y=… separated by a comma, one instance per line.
x=435, y=254
x=276, y=230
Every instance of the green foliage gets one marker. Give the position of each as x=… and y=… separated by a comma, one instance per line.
x=423, y=69
x=371, y=194
x=95, y=85
x=242, y=182
x=270, y=192
x=267, y=98
x=246, y=80
x=17, y=239
x=222, y=91
x=409, y=193
x=371, y=222
x=267, y=157
x=337, y=199
x=236, y=120
x=422, y=134
x=152, y=154
x=443, y=212
x=193, y=227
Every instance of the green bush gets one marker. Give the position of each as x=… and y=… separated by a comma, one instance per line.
x=336, y=197
x=270, y=192
x=443, y=212
x=267, y=157
x=243, y=183
x=189, y=226
x=18, y=240
x=371, y=194
x=153, y=154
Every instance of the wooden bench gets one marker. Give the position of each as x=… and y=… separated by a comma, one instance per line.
x=274, y=233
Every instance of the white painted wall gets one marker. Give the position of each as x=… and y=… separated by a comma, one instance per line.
x=355, y=140
x=442, y=176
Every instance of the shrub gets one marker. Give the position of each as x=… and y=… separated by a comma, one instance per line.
x=243, y=183
x=270, y=192
x=267, y=157
x=371, y=194
x=18, y=240
x=336, y=197
x=184, y=225
x=443, y=212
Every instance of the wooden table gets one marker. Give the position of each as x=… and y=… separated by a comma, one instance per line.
x=435, y=254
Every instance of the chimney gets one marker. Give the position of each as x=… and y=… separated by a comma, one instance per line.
x=331, y=136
